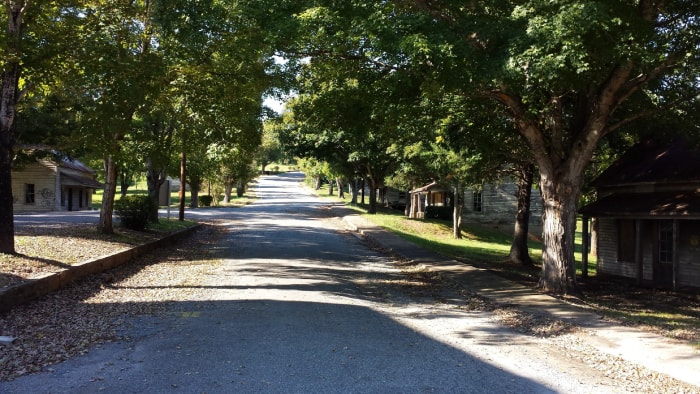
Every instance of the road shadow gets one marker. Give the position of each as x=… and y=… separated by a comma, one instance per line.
x=268, y=346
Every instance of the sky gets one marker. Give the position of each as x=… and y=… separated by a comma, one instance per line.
x=276, y=105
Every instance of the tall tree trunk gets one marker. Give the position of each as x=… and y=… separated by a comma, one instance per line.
x=7, y=224
x=228, y=187
x=341, y=192
x=457, y=213
x=7, y=120
x=195, y=187
x=362, y=192
x=330, y=187
x=183, y=179
x=8, y=111
x=105, y=225
x=354, y=191
x=518, y=249
x=155, y=177
x=559, y=225
x=124, y=181
x=240, y=189
x=372, y=195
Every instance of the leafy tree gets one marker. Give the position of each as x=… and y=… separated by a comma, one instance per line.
x=270, y=149
x=33, y=37
x=117, y=67
x=566, y=73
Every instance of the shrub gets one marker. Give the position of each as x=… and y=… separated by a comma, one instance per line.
x=205, y=201
x=133, y=211
x=441, y=212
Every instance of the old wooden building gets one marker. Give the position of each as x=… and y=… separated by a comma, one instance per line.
x=648, y=212
x=53, y=185
x=496, y=204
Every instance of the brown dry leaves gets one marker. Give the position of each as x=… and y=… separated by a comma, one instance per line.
x=67, y=323
x=49, y=248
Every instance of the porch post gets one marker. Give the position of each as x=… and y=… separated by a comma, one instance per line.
x=675, y=254
x=57, y=194
x=584, y=246
x=638, y=250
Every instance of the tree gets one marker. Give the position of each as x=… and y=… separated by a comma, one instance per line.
x=31, y=42
x=270, y=149
x=494, y=152
x=566, y=73
x=116, y=68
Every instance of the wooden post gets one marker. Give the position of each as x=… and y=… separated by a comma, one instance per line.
x=675, y=254
x=638, y=255
x=585, y=247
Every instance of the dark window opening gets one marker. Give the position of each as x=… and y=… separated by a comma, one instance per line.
x=478, y=203
x=29, y=196
x=626, y=235
x=666, y=242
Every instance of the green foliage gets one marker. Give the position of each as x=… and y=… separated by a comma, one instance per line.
x=205, y=201
x=438, y=212
x=133, y=211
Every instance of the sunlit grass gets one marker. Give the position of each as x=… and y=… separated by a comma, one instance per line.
x=478, y=244
x=140, y=188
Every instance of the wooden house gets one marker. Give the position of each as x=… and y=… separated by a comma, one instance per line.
x=648, y=212
x=496, y=204
x=429, y=195
x=48, y=185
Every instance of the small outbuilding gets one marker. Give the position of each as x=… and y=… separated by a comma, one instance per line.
x=432, y=194
x=61, y=184
x=648, y=212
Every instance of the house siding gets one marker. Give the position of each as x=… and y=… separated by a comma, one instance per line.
x=608, y=262
x=43, y=177
x=52, y=190
x=689, y=253
x=499, y=205
x=688, y=250
x=392, y=197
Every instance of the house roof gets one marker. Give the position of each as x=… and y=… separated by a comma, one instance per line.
x=678, y=204
x=652, y=162
x=434, y=186
x=71, y=180
x=57, y=157
x=75, y=164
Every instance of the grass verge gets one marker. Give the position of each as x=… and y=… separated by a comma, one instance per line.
x=673, y=314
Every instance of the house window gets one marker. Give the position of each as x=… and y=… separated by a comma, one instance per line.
x=477, y=198
x=29, y=196
x=666, y=242
x=626, y=235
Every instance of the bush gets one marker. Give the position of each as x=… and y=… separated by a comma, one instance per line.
x=205, y=201
x=441, y=212
x=133, y=211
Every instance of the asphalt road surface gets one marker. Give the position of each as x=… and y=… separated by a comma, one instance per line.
x=299, y=306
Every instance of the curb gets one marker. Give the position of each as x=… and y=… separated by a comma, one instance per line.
x=35, y=288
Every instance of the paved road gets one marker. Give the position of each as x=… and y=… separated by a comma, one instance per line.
x=300, y=306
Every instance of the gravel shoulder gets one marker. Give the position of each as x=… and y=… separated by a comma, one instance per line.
x=92, y=311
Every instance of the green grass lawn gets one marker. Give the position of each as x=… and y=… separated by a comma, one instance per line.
x=479, y=244
x=279, y=167
x=140, y=188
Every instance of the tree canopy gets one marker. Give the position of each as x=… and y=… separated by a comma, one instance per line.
x=377, y=83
